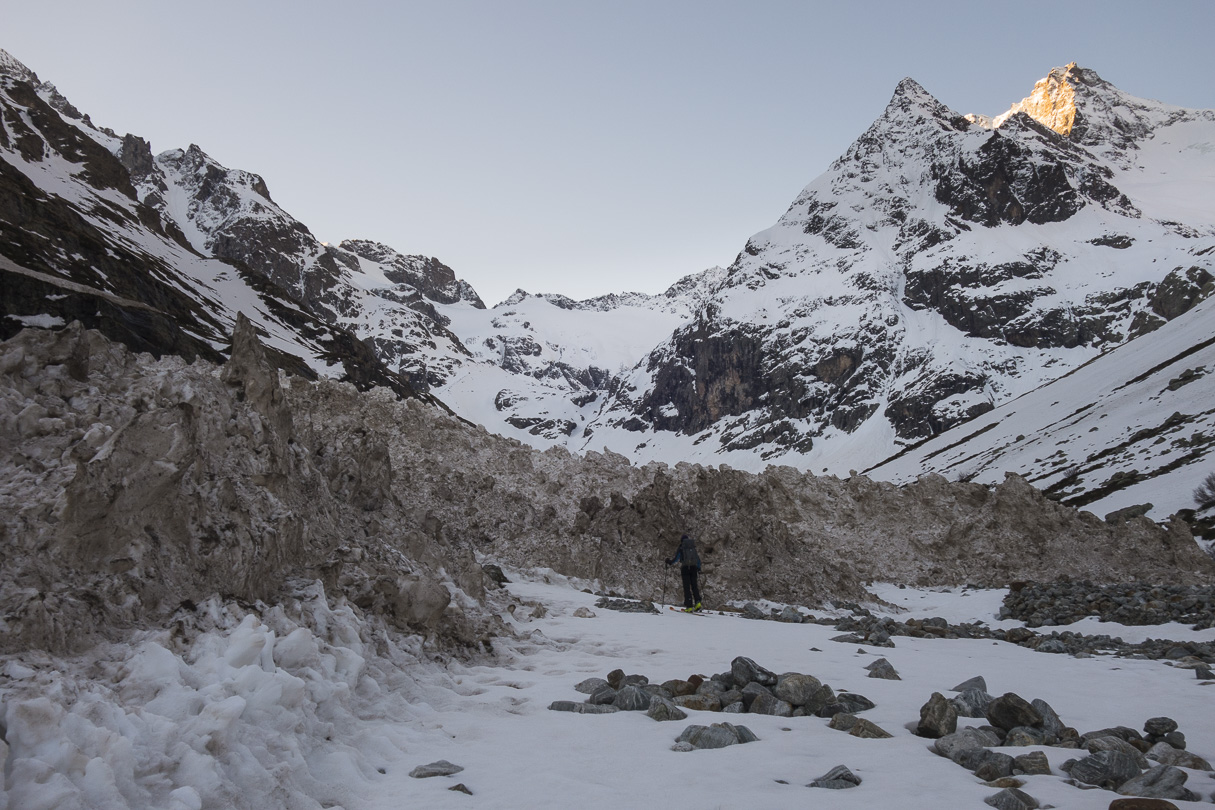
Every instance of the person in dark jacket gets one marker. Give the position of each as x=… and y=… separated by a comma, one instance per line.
x=689, y=569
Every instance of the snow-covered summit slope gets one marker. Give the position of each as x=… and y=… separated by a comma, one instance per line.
x=1133, y=427
x=938, y=268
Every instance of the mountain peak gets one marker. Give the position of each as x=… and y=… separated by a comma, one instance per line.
x=12, y=66
x=1053, y=100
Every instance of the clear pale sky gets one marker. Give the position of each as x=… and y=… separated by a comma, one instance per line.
x=573, y=147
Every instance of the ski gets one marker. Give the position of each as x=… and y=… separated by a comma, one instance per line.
x=701, y=612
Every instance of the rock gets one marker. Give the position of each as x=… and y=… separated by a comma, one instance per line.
x=822, y=696
x=937, y=718
x=993, y=765
x=1097, y=744
x=1023, y=736
x=615, y=678
x=1052, y=726
x=1159, y=726
x=461, y=788
x=1107, y=769
x=838, y=778
x=753, y=611
x=1032, y=764
x=791, y=615
x=679, y=687
x=977, y=682
x=1121, y=732
x=737, y=707
x=971, y=703
x=964, y=739
x=440, y=768
x=767, y=703
x=633, y=680
x=745, y=671
x=662, y=709
x=1010, y=710
x=603, y=696
x=580, y=708
x=795, y=688
x=1012, y=799
x=494, y=574
x=868, y=730
x=590, y=686
x=1142, y=804
x=632, y=698
x=882, y=668
x=718, y=735
x=698, y=703
x=1160, y=782
x=843, y=721
x=584, y=613
x=1175, y=739
x=1167, y=754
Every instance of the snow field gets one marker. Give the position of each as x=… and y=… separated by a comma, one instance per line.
x=517, y=753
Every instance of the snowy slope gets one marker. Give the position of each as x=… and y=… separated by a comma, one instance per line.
x=1135, y=426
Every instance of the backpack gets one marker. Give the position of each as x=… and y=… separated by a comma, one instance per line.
x=687, y=548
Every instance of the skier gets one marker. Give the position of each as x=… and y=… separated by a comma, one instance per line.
x=689, y=568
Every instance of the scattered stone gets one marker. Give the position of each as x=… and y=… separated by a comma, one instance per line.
x=882, y=668
x=1023, y=736
x=838, y=778
x=976, y=682
x=584, y=613
x=1011, y=710
x=753, y=611
x=843, y=721
x=440, y=768
x=1107, y=769
x=795, y=688
x=678, y=687
x=1097, y=744
x=494, y=574
x=627, y=605
x=590, y=686
x=662, y=709
x=971, y=703
x=580, y=708
x=632, y=698
x=1006, y=782
x=1032, y=764
x=745, y=671
x=615, y=678
x=937, y=718
x=1052, y=726
x=791, y=615
x=1012, y=799
x=1160, y=782
x=1142, y=804
x=767, y=703
x=1167, y=754
x=858, y=727
x=1159, y=726
x=992, y=765
x=951, y=745
x=698, y=703
x=1175, y=739
x=718, y=735
x=461, y=788
x=603, y=696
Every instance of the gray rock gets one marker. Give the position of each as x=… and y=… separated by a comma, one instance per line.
x=698, y=703
x=718, y=735
x=1052, y=726
x=662, y=709
x=971, y=703
x=790, y=615
x=868, y=730
x=744, y=734
x=1159, y=726
x=1053, y=645
x=634, y=680
x=993, y=765
x=580, y=708
x=1032, y=764
x=1012, y=799
x=603, y=696
x=1167, y=754
x=822, y=696
x=977, y=682
x=439, y=768
x=745, y=671
x=963, y=739
x=937, y=718
x=1175, y=739
x=795, y=688
x=1096, y=744
x=1023, y=736
x=854, y=702
x=882, y=668
x=1107, y=769
x=753, y=611
x=615, y=678
x=1011, y=710
x=737, y=707
x=767, y=703
x=632, y=699
x=1121, y=732
x=730, y=696
x=590, y=685
x=838, y=778
x=751, y=690
x=1160, y=782
x=678, y=687
x=843, y=721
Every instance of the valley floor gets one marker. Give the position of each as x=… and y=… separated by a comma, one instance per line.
x=496, y=724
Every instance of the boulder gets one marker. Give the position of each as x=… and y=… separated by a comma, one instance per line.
x=679, y=687
x=767, y=703
x=795, y=688
x=1159, y=726
x=1096, y=744
x=1011, y=710
x=882, y=668
x=937, y=718
x=745, y=671
x=976, y=682
x=971, y=703
x=440, y=768
x=1160, y=782
x=1142, y=804
x=698, y=703
x=1012, y=799
x=822, y=696
x=615, y=678
x=951, y=745
x=991, y=765
x=603, y=696
x=1051, y=726
x=838, y=778
x=1032, y=764
x=718, y=735
x=590, y=685
x=632, y=698
x=580, y=708
x=662, y=709
x=1107, y=769
x=1167, y=754
x=1023, y=736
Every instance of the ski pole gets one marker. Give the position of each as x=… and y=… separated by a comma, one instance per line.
x=665, y=577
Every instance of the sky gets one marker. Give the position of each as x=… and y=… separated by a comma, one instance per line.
x=573, y=147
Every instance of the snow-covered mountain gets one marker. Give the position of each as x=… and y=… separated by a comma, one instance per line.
x=944, y=265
